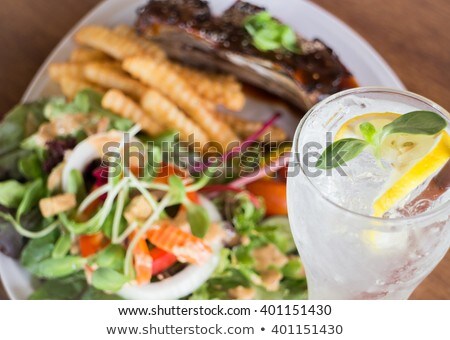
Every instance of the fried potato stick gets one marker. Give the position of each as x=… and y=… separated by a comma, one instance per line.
x=161, y=76
x=163, y=110
x=221, y=89
x=110, y=78
x=149, y=47
x=76, y=70
x=59, y=70
x=85, y=54
x=120, y=104
x=111, y=43
x=70, y=86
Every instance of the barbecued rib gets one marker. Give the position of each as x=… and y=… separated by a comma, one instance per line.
x=189, y=32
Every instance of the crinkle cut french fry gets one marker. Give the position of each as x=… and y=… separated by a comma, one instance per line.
x=70, y=86
x=111, y=43
x=116, y=79
x=244, y=128
x=162, y=77
x=59, y=70
x=149, y=47
x=221, y=89
x=76, y=70
x=120, y=104
x=163, y=110
x=85, y=54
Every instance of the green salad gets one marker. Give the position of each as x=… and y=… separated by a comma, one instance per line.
x=88, y=223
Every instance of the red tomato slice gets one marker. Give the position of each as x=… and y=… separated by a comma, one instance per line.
x=273, y=193
x=161, y=260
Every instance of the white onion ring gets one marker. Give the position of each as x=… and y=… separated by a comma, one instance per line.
x=87, y=151
x=186, y=281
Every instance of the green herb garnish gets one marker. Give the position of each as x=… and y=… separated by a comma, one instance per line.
x=269, y=34
x=198, y=219
x=414, y=123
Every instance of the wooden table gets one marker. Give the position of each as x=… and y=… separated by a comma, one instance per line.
x=411, y=35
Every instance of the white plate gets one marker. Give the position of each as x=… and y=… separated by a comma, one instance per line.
x=305, y=17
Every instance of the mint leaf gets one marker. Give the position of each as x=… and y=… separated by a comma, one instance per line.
x=368, y=131
x=340, y=152
x=416, y=123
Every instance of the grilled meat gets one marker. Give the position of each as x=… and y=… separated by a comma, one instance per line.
x=189, y=32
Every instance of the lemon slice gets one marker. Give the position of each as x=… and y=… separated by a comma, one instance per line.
x=350, y=129
x=412, y=176
x=413, y=158
x=400, y=149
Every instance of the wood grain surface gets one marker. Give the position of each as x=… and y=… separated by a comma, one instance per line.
x=413, y=36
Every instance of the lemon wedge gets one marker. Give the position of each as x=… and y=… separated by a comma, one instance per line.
x=412, y=176
x=414, y=158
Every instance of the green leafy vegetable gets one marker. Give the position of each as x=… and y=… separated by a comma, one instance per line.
x=112, y=257
x=177, y=190
x=293, y=269
x=67, y=288
x=94, y=294
x=86, y=101
x=62, y=246
x=59, y=267
x=269, y=34
x=33, y=194
x=237, y=264
x=277, y=231
x=18, y=124
x=10, y=240
x=9, y=164
x=91, y=101
x=108, y=280
x=108, y=225
x=75, y=185
x=246, y=216
x=70, y=288
x=11, y=193
x=198, y=219
x=37, y=250
x=30, y=166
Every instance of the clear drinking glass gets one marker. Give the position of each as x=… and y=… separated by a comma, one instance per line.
x=347, y=253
